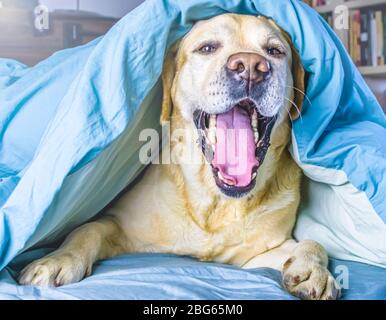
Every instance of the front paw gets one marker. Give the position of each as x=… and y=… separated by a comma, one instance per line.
x=54, y=271
x=309, y=280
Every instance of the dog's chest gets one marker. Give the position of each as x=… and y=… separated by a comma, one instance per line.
x=156, y=218
x=229, y=235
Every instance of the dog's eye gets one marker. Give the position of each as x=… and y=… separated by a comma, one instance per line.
x=275, y=52
x=208, y=48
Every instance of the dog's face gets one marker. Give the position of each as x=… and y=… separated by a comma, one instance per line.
x=233, y=79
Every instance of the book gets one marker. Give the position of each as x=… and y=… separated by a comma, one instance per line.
x=384, y=34
x=315, y=3
x=364, y=40
x=373, y=38
x=355, y=36
x=380, y=38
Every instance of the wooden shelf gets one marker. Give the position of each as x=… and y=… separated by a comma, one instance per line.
x=328, y=8
x=376, y=72
x=370, y=71
x=21, y=41
x=353, y=4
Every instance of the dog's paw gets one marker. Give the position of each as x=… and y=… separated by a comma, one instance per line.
x=309, y=280
x=54, y=271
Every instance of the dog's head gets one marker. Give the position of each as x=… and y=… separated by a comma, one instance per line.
x=237, y=78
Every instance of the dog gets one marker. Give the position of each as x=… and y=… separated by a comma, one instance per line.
x=234, y=83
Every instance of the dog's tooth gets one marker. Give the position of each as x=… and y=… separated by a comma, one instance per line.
x=212, y=129
x=255, y=126
x=254, y=120
x=257, y=136
x=228, y=182
x=254, y=175
x=212, y=121
x=212, y=136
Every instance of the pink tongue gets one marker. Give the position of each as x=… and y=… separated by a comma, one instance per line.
x=234, y=155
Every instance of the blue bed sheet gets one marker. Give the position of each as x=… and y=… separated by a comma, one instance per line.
x=161, y=276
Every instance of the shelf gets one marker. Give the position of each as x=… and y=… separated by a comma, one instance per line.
x=328, y=8
x=370, y=71
x=376, y=72
x=353, y=4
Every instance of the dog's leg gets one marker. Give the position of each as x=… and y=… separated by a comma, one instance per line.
x=74, y=259
x=304, y=269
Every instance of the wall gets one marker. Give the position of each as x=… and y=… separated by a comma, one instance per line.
x=379, y=88
x=118, y=8
x=112, y=8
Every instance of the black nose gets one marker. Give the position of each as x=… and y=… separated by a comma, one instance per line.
x=249, y=66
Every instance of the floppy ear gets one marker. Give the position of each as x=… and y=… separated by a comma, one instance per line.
x=298, y=74
x=168, y=73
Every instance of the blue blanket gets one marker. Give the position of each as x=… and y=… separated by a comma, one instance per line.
x=69, y=129
x=167, y=277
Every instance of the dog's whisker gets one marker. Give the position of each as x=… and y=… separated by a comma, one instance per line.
x=302, y=92
x=289, y=115
x=297, y=109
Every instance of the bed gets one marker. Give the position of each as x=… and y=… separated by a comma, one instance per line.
x=69, y=145
x=169, y=277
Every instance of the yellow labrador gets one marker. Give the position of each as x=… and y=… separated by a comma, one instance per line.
x=232, y=83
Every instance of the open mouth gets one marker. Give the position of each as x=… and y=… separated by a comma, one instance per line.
x=235, y=144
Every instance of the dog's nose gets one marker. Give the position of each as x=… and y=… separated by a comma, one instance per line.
x=249, y=66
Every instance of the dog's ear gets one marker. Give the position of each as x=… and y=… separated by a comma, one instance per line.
x=298, y=74
x=168, y=73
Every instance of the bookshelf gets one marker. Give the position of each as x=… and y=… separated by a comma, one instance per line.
x=329, y=8
x=376, y=72
x=351, y=4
